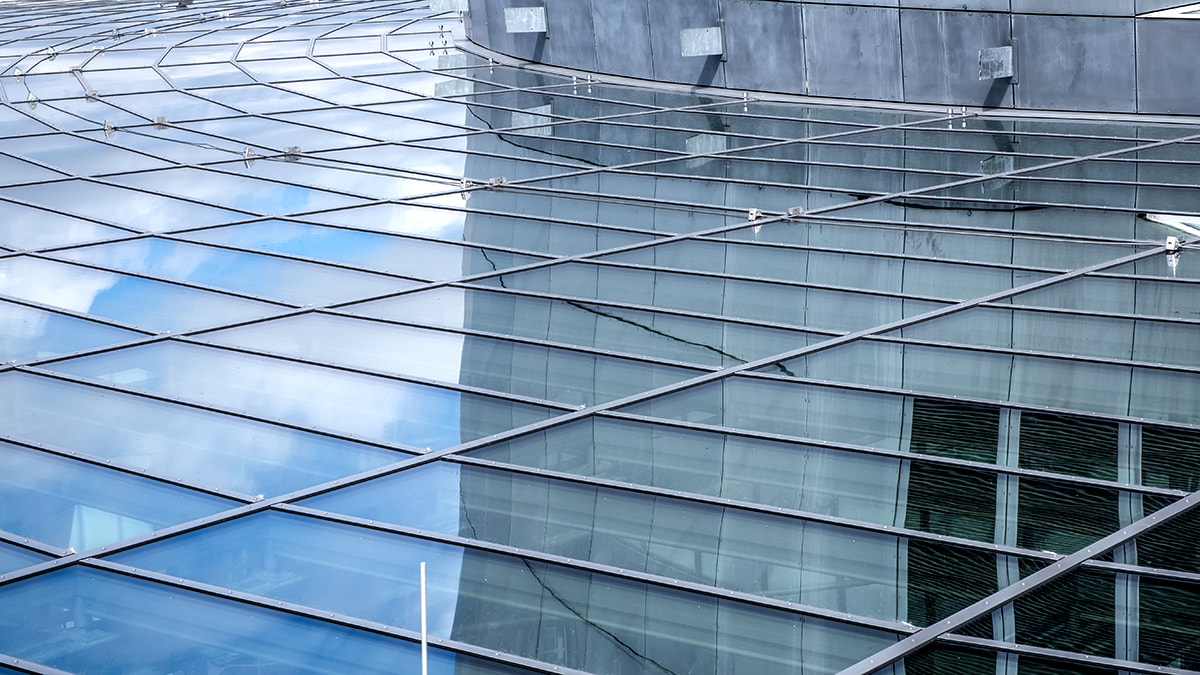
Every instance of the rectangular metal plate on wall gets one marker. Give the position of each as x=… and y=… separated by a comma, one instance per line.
x=702, y=41
x=525, y=19
x=996, y=62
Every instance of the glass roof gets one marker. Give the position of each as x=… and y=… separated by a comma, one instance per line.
x=296, y=298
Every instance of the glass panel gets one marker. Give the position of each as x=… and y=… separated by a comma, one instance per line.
x=99, y=623
x=802, y=410
x=294, y=281
x=808, y=562
x=125, y=80
x=155, y=305
x=208, y=74
x=13, y=558
x=66, y=503
x=1033, y=380
x=174, y=105
x=525, y=370
x=182, y=442
x=32, y=333
x=669, y=336
x=308, y=395
x=410, y=257
x=279, y=70
x=842, y=269
x=552, y=613
x=78, y=156
x=816, y=308
x=367, y=123
x=1122, y=616
x=528, y=230
x=267, y=133
x=140, y=210
x=237, y=192
x=945, y=660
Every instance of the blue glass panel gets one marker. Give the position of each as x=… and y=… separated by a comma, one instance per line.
x=549, y=373
x=79, y=155
x=549, y=612
x=155, y=305
x=387, y=253
x=692, y=339
x=142, y=211
x=309, y=395
x=839, y=568
x=31, y=333
x=26, y=227
x=13, y=558
x=293, y=281
x=100, y=623
x=66, y=503
x=236, y=192
x=197, y=446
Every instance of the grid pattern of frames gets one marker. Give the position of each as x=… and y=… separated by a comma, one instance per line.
x=295, y=296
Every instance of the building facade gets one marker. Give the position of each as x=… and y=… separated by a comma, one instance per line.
x=327, y=326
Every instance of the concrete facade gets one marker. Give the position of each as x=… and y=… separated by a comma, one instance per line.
x=1099, y=56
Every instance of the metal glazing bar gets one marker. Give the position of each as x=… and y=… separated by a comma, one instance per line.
x=600, y=568
x=1038, y=579
x=936, y=460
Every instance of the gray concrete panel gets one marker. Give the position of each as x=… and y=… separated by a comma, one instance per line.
x=1075, y=63
x=622, y=37
x=1166, y=66
x=763, y=47
x=570, y=34
x=853, y=52
x=667, y=18
x=941, y=62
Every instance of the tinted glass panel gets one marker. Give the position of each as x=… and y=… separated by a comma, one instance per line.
x=371, y=407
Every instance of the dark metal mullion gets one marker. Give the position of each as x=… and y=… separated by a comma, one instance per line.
x=174, y=282
x=127, y=469
x=1088, y=661
x=398, y=377
x=519, y=339
x=768, y=280
x=325, y=616
x=163, y=398
x=981, y=608
x=939, y=460
x=584, y=565
x=764, y=509
x=1057, y=356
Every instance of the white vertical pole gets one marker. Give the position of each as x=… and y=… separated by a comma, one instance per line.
x=424, y=628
